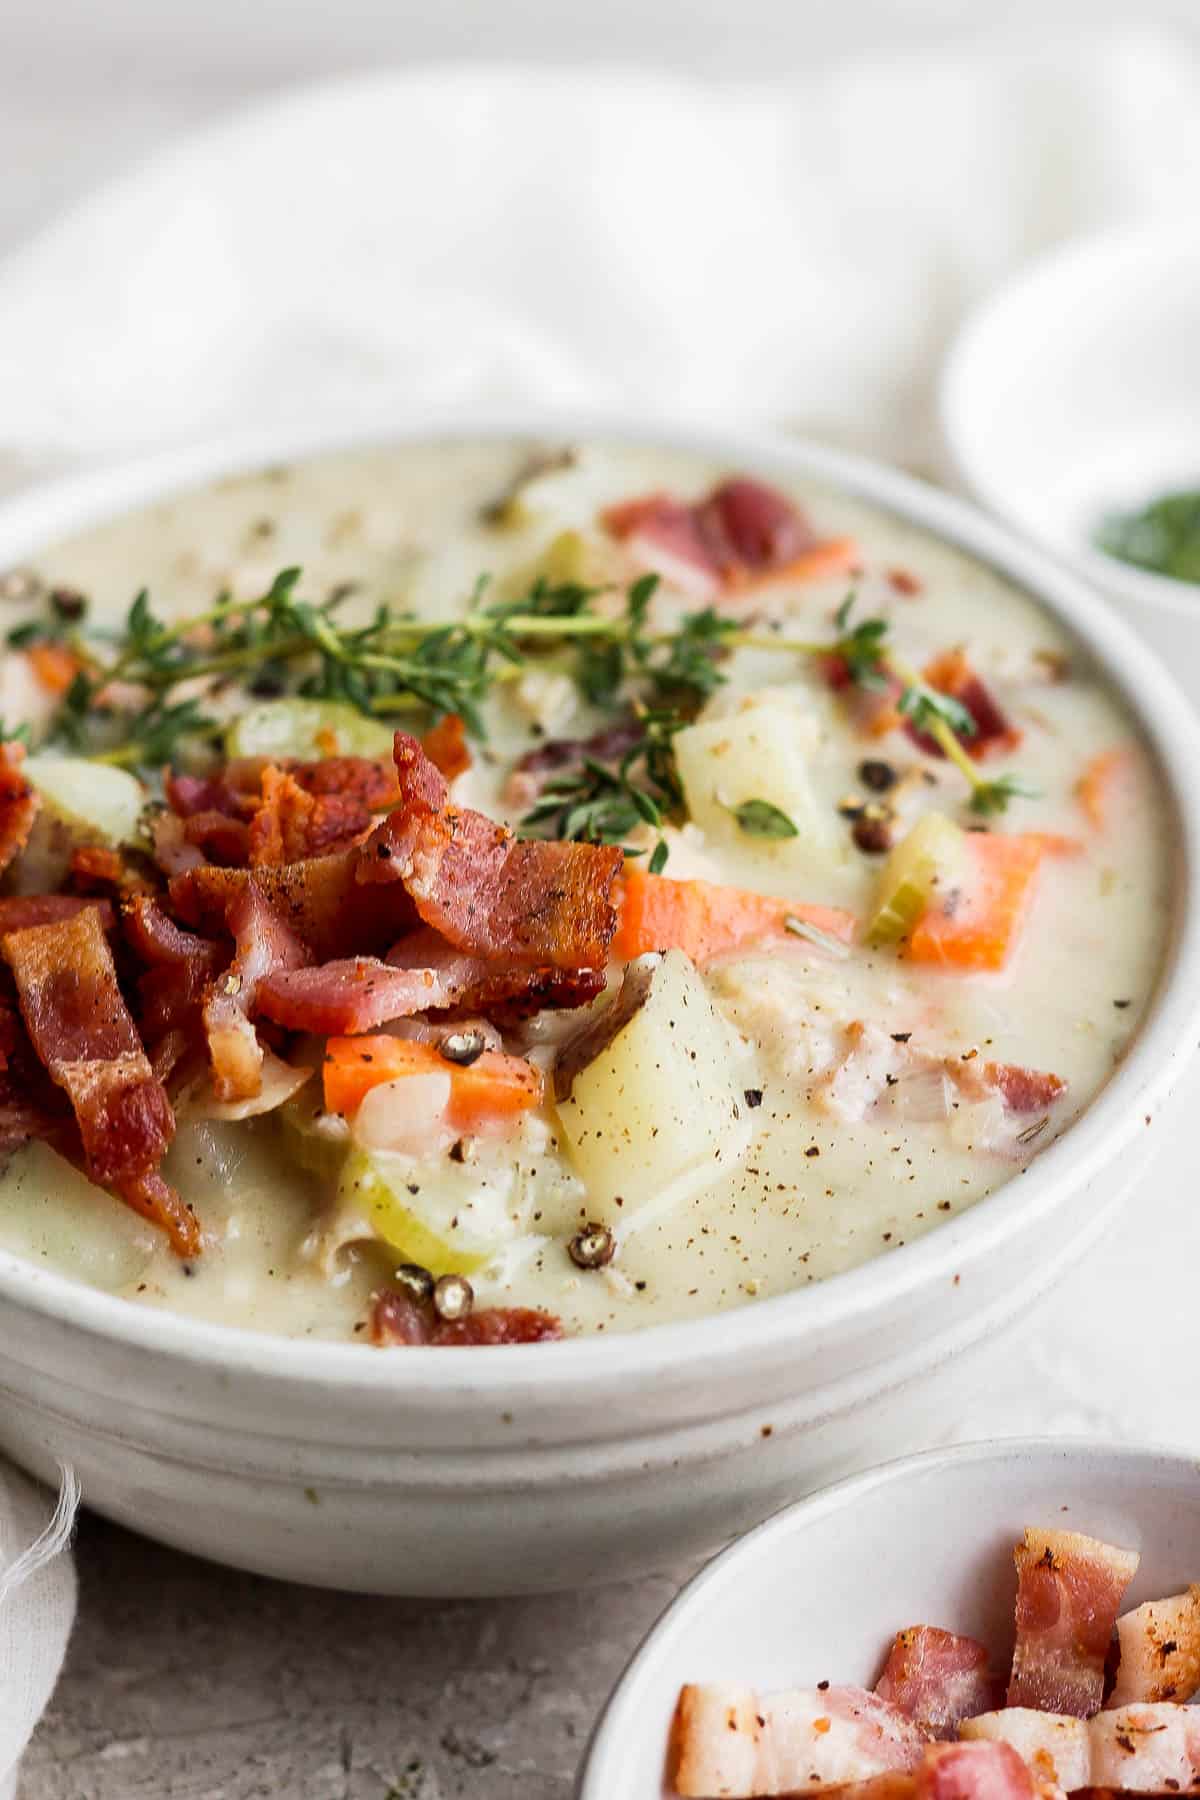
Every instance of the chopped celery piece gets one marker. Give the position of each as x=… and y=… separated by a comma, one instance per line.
x=932, y=856
x=307, y=729
x=93, y=800
x=444, y=1217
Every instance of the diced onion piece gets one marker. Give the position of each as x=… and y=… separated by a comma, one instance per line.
x=406, y=1114
x=931, y=857
x=281, y=1082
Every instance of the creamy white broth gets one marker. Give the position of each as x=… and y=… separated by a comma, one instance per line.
x=810, y=1194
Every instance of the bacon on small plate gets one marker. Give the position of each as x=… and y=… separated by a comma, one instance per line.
x=1146, y=1749
x=541, y=904
x=1054, y=1745
x=937, y=1677
x=1069, y=1591
x=84, y=1035
x=732, y=1742
x=1159, y=1651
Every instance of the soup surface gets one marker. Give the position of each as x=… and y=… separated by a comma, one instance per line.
x=896, y=861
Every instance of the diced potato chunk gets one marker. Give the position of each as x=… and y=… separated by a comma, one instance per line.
x=760, y=753
x=658, y=1111
x=94, y=800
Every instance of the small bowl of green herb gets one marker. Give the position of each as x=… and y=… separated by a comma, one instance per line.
x=1070, y=405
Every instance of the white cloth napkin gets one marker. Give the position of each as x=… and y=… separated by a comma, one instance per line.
x=794, y=251
x=37, y=1606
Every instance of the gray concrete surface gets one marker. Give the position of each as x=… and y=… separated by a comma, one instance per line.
x=189, y=1682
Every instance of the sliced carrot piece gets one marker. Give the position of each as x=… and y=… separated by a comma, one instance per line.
x=705, y=919
x=1093, y=790
x=492, y=1089
x=55, y=666
x=1058, y=843
x=834, y=556
x=977, y=926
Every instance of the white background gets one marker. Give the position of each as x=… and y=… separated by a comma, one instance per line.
x=85, y=86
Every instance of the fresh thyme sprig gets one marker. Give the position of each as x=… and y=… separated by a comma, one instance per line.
x=143, y=695
x=602, y=803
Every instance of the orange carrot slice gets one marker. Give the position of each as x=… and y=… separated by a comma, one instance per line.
x=705, y=919
x=1094, y=788
x=493, y=1089
x=977, y=926
x=54, y=665
x=834, y=556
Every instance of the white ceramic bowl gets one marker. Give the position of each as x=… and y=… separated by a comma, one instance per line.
x=819, y=1591
x=1075, y=388
x=497, y=1470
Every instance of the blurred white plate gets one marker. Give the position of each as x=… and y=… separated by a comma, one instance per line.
x=1075, y=389
x=818, y=1592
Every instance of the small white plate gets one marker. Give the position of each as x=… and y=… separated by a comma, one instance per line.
x=1075, y=389
x=818, y=1592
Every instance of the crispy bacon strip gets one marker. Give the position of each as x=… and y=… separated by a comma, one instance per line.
x=321, y=900
x=735, y=1742
x=294, y=822
x=82, y=1031
x=538, y=904
x=178, y=967
x=263, y=944
x=396, y=1320
x=1069, y=1589
x=17, y=911
x=1159, y=1651
x=937, y=1677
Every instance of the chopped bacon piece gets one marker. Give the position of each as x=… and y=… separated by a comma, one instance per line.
x=1055, y=1746
x=321, y=900
x=1146, y=1749
x=541, y=904
x=19, y=803
x=422, y=974
x=741, y=530
x=349, y=996
x=445, y=744
x=171, y=989
x=217, y=837
x=1159, y=1651
x=979, y=1771
x=994, y=733
x=20, y=910
x=1022, y=1090
x=264, y=944
x=937, y=1678
x=294, y=822
x=397, y=1320
x=732, y=1741
x=1069, y=1589
x=881, y=1076
x=84, y=1035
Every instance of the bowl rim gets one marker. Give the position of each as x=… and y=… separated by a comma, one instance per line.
x=624, y=1706
x=37, y=516
x=1061, y=270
